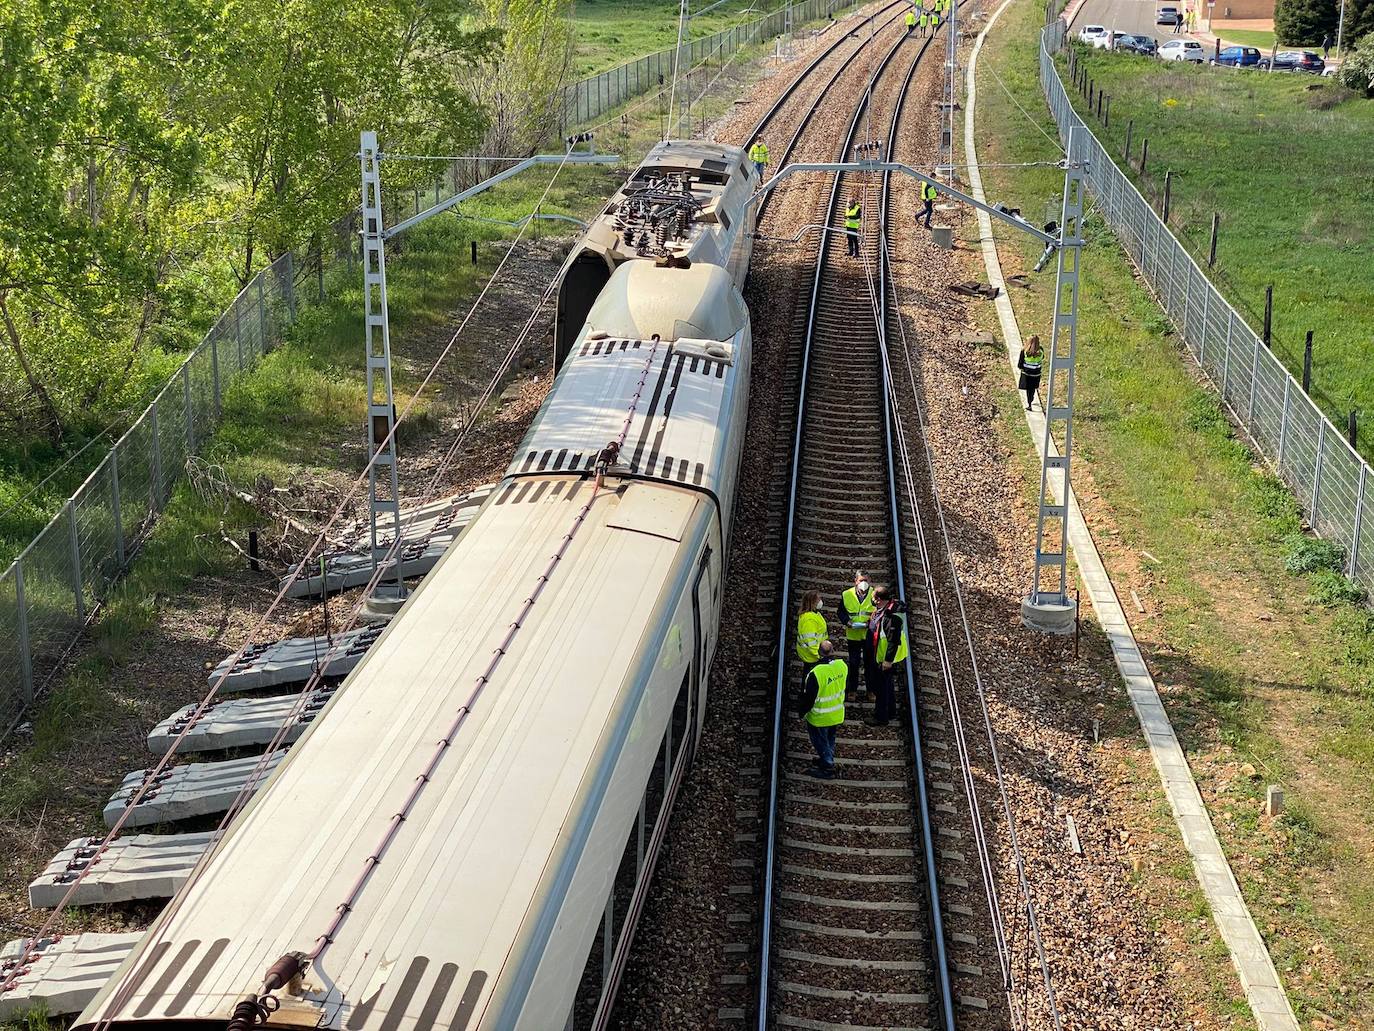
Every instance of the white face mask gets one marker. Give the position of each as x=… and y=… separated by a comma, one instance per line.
x=863, y=586
x=820, y=605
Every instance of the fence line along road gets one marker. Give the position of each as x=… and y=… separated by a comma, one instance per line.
x=1310, y=454
x=592, y=97
x=49, y=591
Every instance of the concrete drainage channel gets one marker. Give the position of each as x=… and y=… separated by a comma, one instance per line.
x=62, y=974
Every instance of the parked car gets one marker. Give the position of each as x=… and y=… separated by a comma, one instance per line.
x=1237, y=57
x=1296, y=61
x=1090, y=34
x=1136, y=45
x=1166, y=16
x=1183, y=50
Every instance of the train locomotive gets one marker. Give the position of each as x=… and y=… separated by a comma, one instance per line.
x=507, y=896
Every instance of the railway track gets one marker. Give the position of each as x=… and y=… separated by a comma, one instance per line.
x=871, y=913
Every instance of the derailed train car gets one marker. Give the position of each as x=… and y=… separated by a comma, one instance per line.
x=507, y=896
x=688, y=199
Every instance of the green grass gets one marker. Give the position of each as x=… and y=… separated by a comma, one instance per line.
x=1285, y=160
x=1263, y=665
x=611, y=32
x=1261, y=38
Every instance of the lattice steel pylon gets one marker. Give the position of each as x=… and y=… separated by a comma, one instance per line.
x=1049, y=606
x=381, y=404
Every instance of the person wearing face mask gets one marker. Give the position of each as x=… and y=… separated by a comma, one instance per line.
x=856, y=605
x=887, y=634
x=811, y=631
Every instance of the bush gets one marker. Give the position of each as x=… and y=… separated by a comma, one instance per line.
x=1357, y=70
x=1307, y=554
x=1330, y=588
x=1305, y=21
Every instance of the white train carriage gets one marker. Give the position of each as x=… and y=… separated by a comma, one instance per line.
x=507, y=896
x=688, y=198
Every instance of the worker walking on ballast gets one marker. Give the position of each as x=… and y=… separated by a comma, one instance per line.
x=856, y=605
x=853, y=222
x=758, y=154
x=928, y=195
x=821, y=703
x=925, y=21
x=811, y=631
x=887, y=632
x=910, y=21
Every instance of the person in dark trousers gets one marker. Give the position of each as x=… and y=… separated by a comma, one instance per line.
x=888, y=636
x=928, y=194
x=1178, y=22
x=1326, y=47
x=821, y=704
x=1031, y=362
x=856, y=606
x=853, y=222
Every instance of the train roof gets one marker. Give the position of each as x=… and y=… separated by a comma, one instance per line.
x=687, y=196
x=677, y=431
x=449, y=929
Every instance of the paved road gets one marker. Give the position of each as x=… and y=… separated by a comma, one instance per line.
x=1129, y=16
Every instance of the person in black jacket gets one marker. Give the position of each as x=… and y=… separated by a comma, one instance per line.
x=1031, y=361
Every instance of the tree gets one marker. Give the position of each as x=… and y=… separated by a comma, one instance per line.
x=520, y=81
x=1357, y=70
x=1305, y=22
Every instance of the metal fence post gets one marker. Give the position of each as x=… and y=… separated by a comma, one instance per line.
x=190, y=416
x=155, y=491
x=214, y=369
x=1254, y=375
x=21, y=610
x=1359, y=518
x=1317, y=471
x=1202, y=344
x=74, y=544
x=1226, y=359
x=115, y=507
x=1283, y=420
x=262, y=318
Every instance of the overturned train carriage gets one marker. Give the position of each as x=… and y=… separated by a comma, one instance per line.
x=688, y=199
x=507, y=897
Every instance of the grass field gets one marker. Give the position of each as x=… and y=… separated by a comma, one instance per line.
x=1248, y=37
x=611, y=32
x=1268, y=676
x=1285, y=160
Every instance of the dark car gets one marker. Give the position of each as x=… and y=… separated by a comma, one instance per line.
x=1238, y=57
x=1136, y=45
x=1296, y=61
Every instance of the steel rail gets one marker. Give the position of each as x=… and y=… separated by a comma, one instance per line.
x=936, y=918
x=791, y=90
x=780, y=679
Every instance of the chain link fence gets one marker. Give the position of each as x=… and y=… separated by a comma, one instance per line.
x=49, y=591
x=592, y=97
x=1310, y=454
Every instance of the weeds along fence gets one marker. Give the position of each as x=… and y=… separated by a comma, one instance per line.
x=1311, y=455
x=48, y=592
x=592, y=97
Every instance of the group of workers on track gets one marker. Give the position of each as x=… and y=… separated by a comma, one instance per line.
x=929, y=18
x=875, y=631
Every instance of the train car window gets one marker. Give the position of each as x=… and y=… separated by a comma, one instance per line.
x=682, y=710
x=723, y=217
x=656, y=789
x=626, y=877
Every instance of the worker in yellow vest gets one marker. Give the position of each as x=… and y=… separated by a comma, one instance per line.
x=887, y=632
x=928, y=195
x=853, y=222
x=758, y=154
x=934, y=22
x=910, y=22
x=944, y=9
x=856, y=606
x=811, y=631
x=925, y=21
x=821, y=703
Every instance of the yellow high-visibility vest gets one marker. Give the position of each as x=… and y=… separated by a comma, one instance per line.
x=925, y=19
x=828, y=708
x=758, y=153
x=811, y=631
x=880, y=644
x=928, y=192
x=857, y=612
x=853, y=216
x=911, y=19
